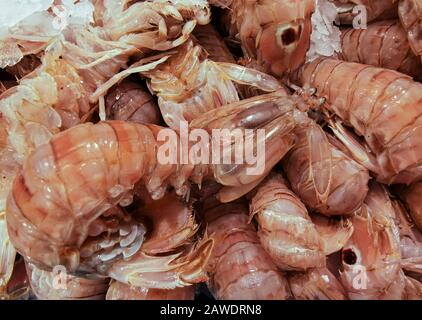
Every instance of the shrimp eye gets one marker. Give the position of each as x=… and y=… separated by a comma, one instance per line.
x=349, y=256
x=288, y=36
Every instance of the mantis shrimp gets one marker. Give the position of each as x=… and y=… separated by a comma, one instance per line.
x=274, y=34
x=188, y=84
x=322, y=174
x=239, y=267
x=73, y=68
x=287, y=232
x=383, y=44
x=381, y=105
x=372, y=260
x=57, y=95
x=213, y=43
x=62, y=208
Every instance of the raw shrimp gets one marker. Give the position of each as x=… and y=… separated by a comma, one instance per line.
x=410, y=13
x=121, y=291
x=239, y=268
x=326, y=178
x=383, y=44
x=64, y=200
x=372, y=259
x=286, y=230
x=189, y=84
x=275, y=150
x=58, y=94
x=130, y=101
x=382, y=106
x=375, y=9
x=60, y=286
x=276, y=34
x=76, y=65
x=316, y=284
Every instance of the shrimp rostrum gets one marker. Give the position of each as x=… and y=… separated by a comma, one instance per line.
x=64, y=199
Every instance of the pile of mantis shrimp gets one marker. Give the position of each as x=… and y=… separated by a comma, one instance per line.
x=87, y=211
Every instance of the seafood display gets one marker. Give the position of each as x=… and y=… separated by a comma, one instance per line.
x=221, y=149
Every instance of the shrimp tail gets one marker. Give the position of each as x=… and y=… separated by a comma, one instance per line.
x=165, y=272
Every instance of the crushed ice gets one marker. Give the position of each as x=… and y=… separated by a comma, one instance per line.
x=325, y=37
